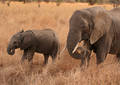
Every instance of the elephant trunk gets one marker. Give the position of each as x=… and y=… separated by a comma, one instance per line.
x=10, y=50
x=72, y=41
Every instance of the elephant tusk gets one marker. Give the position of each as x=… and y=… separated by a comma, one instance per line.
x=81, y=44
x=75, y=47
x=79, y=51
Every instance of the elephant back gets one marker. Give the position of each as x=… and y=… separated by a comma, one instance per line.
x=115, y=13
x=45, y=38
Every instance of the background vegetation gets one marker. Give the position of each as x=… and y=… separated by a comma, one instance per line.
x=66, y=70
x=90, y=1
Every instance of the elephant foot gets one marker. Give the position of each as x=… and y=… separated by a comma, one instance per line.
x=99, y=62
x=84, y=66
x=45, y=63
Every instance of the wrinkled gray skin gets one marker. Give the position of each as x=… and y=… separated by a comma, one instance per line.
x=31, y=41
x=100, y=30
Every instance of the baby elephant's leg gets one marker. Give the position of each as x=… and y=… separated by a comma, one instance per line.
x=46, y=56
x=28, y=54
x=24, y=56
x=118, y=57
x=54, y=55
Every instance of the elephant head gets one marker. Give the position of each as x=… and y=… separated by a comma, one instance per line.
x=88, y=26
x=21, y=40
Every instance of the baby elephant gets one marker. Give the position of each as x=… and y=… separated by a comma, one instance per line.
x=31, y=41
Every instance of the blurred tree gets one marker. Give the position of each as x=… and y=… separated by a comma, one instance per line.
x=58, y=2
x=46, y=0
x=3, y=1
x=83, y=0
x=26, y=1
x=115, y=3
x=92, y=2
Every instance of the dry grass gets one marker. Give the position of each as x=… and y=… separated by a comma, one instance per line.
x=65, y=71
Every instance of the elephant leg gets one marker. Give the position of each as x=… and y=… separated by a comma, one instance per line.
x=24, y=56
x=46, y=56
x=30, y=55
x=82, y=61
x=101, y=53
x=103, y=48
x=54, y=55
x=55, y=50
x=85, y=55
x=118, y=57
x=88, y=59
x=100, y=57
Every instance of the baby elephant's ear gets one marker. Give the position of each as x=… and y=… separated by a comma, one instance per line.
x=27, y=39
x=102, y=23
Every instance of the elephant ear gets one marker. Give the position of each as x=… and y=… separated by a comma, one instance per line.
x=102, y=22
x=26, y=40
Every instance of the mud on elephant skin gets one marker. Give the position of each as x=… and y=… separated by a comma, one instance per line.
x=99, y=28
x=31, y=41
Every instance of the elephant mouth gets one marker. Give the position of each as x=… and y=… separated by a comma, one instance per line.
x=78, y=47
x=11, y=51
x=81, y=50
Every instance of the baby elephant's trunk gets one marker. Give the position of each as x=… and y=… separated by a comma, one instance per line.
x=10, y=51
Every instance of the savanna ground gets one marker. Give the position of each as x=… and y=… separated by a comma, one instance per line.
x=66, y=70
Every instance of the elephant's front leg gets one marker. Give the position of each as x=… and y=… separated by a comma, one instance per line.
x=103, y=48
x=28, y=54
x=88, y=58
x=46, y=56
x=24, y=56
x=101, y=56
x=101, y=53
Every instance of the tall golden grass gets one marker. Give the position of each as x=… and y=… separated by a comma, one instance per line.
x=65, y=71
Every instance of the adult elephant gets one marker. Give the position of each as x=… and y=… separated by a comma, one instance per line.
x=100, y=31
x=31, y=41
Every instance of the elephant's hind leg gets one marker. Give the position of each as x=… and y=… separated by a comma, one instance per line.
x=55, y=51
x=54, y=55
